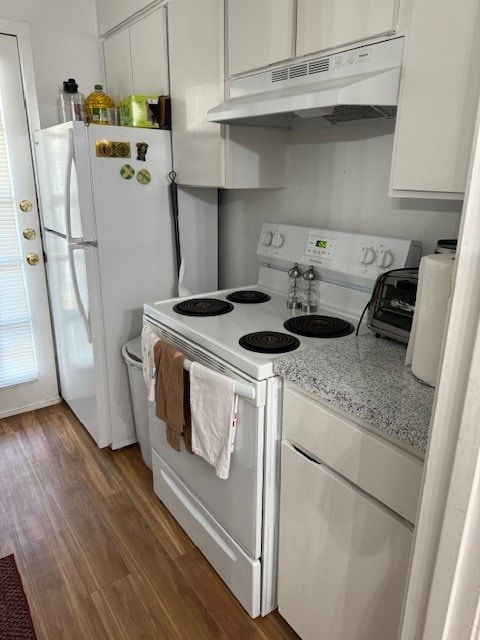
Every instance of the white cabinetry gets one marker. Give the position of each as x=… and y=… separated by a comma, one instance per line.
x=136, y=58
x=264, y=32
x=438, y=100
x=325, y=24
x=259, y=33
x=346, y=499
x=204, y=153
x=112, y=13
x=343, y=558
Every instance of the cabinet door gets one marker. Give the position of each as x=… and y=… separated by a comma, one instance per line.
x=207, y=154
x=343, y=557
x=136, y=58
x=149, y=55
x=438, y=100
x=118, y=66
x=196, y=85
x=259, y=33
x=111, y=13
x=325, y=24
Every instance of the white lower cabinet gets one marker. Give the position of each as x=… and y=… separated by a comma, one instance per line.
x=347, y=501
x=343, y=557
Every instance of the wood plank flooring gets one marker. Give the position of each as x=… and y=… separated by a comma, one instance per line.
x=99, y=555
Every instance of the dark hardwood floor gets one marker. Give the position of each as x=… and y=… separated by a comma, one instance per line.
x=99, y=555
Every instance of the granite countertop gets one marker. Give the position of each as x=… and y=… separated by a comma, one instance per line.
x=366, y=377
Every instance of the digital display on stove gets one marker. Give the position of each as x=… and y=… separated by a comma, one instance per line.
x=320, y=248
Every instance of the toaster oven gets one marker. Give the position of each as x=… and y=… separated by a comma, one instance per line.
x=392, y=305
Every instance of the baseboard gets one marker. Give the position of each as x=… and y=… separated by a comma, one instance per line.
x=30, y=407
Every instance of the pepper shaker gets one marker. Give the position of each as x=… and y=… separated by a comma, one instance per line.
x=294, y=292
x=309, y=304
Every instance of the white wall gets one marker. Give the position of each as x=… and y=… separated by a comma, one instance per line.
x=338, y=180
x=65, y=45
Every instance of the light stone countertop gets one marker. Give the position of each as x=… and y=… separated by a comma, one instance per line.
x=366, y=377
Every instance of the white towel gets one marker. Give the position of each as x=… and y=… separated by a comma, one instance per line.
x=149, y=340
x=213, y=405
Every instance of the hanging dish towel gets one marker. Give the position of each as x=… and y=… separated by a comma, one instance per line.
x=149, y=340
x=172, y=394
x=213, y=405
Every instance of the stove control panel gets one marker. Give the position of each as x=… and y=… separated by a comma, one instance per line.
x=340, y=257
x=320, y=247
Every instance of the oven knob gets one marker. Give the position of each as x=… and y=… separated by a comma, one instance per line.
x=385, y=259
x=367, y=255
x=267, y=237
x=278, y=239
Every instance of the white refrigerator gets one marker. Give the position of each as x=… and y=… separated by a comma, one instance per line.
x=109, y=245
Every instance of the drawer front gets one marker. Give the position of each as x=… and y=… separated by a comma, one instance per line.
x=241, y=573
x=381, y=469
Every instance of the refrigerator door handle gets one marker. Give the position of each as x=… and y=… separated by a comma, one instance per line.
x=76, y=290
x=68, y=183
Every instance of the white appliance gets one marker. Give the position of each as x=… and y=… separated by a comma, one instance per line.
x=234, y=522
x=354, y=85
x=109, y=247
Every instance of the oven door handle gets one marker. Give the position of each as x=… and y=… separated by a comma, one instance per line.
x=241, y=389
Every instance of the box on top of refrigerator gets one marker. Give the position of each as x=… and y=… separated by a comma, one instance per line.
x=145, y=111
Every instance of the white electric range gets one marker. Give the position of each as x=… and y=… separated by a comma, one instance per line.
x=234, y=522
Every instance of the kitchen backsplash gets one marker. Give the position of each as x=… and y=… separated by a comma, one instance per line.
x=337, y=180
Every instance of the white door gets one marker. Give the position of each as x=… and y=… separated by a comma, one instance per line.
x=27, y=365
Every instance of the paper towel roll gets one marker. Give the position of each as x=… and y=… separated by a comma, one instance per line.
x=426, y=338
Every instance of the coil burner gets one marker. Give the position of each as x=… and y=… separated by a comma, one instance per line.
x=269, y=342
x=313, y=326
x=248, y=297
x=203, y=307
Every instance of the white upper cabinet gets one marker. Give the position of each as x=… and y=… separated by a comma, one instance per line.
x=264, y=32
x=205, y=153
x=196, y=69
x=136, y=58
x=259, y=33
x=438, y=100
x=326, y=24
x=118, y=65
x=148, y=48
x=111, y=13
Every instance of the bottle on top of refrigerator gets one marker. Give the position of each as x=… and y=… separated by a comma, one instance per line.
x=97, y=106
x=72, y=102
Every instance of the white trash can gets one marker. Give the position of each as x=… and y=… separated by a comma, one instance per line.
x=132, y=354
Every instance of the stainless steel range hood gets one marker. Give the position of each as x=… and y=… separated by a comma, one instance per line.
x=356, y=85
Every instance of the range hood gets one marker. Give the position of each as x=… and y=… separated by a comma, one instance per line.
x=355, y=85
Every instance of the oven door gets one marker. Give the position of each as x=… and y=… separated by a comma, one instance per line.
x=235, y=503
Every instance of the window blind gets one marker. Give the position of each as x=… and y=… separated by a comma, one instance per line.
x=17, y=352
